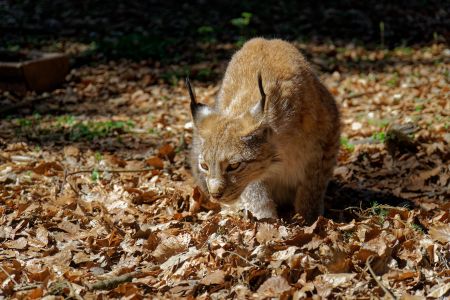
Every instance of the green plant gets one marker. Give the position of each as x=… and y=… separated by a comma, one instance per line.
x=98, y=156
x=393, y=81
x=95, y=175
x=91, y=130
x=417, y=227
x=382, y=123
x=379, y=136
x=242, y=24
x=22, y=122
x=243, y=20
x=379, y=211
x=347, y=145
x=67, y=120
x=418, y=107
x=207, y=34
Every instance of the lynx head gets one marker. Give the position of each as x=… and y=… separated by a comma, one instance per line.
x=232, y=151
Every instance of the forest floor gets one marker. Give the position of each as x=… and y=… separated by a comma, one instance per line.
x=97, y=200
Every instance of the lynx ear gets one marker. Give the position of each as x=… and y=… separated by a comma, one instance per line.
x=198, y=110
x=260, y=108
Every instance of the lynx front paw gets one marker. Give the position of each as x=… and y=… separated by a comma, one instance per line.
x=256, y=200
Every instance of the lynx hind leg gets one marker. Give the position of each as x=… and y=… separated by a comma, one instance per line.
x=309, y=198
x=256, y=199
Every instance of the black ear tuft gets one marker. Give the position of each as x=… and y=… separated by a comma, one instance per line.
x=197, y=109
x=194, y=104
x=261, y=91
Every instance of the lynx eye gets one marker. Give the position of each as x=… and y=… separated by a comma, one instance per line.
x=233, y=167
x=204, y=167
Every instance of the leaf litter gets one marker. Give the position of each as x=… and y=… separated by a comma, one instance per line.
x=132, y=224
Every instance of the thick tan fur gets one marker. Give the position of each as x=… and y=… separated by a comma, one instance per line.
x=285, y=148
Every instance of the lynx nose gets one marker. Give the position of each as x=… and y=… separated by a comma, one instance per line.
x=216, y=187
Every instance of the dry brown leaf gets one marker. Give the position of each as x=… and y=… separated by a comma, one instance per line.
x=337, y=279
x=20, y=243
x=439, y=290
x=440, y=233
x=171, y=245
x=71, y=151
x=155, y=162
x=216, y=277
x=48, y=168
x=267, y=233
x=274, y=286
x=166, y=151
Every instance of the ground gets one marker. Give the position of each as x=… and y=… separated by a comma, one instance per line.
x=63, y=230
x=97, y=200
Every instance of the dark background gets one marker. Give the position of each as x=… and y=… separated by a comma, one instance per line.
x=170, y=30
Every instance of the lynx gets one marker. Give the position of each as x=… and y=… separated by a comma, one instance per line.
x=272, y=136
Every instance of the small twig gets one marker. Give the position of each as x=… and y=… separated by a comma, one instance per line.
x=108, y=171
x=241, y=257
x=112, y=282
x=375, y=277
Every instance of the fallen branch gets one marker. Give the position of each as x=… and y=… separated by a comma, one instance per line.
x=111, y=283
x=375, y=277
x=108, y=171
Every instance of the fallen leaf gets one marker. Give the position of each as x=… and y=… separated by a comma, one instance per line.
x=216, y=277
x=440, y=233
x=155, y=162
x=274, y=286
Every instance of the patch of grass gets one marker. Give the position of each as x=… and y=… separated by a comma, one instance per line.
x=92, y=130
x=65, y=120
x=345, y=143
x=404, y=50
x=418, y=108
x=23, y=122
x=394, y=80
x=379, y=136
x=379, y=211
x=382, y=123
x=67, y=127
